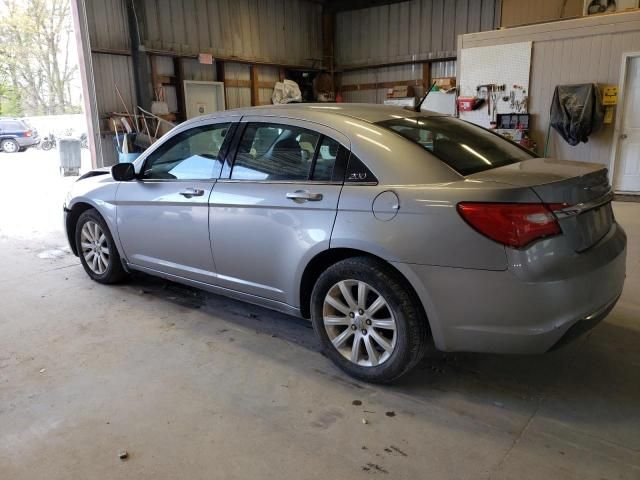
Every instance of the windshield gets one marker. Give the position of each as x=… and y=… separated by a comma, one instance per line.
x=463, y=146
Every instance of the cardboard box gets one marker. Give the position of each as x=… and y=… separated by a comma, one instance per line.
x=445, y=83
x=401, y=91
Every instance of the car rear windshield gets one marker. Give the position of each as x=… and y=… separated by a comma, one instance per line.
x=463, y=146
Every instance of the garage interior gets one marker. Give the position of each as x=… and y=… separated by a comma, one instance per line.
x=151, y=379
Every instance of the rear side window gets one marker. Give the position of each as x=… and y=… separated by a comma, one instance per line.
x=12, y=126
x=465, y=147
x=326, y=159
x=283, y=152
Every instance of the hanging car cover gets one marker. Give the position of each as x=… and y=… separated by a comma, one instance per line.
x=576, y=111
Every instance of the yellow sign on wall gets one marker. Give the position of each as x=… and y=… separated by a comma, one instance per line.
x=610, y=95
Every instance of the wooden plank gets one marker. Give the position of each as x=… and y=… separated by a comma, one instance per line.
x=426, y=76
x=380, y=85
x=580, y=27
x=154, y=76
x=419, y=59
x=221, y=78
x=253, y=84
x=237, y=83
x=328, y=40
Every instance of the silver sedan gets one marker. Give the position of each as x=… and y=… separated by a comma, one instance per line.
x=392, y=230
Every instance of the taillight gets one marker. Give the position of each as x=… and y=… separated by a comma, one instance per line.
x=28, y=133
x=512, y=224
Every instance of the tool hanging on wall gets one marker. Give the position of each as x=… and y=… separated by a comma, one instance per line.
x=490, y=93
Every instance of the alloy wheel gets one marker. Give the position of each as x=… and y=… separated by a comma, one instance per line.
x=359, y=323
x=95, y=248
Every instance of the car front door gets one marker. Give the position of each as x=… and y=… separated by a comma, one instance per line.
x=275, y=204
x=163, y=216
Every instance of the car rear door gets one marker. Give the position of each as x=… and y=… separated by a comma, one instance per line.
x=163, y=216
x=275, y=204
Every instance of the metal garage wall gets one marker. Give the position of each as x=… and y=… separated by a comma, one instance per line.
x=107, y=22
x=406, y=31
x=571, y=51
x=277, y=31
x=390, y=74
x=378, y=75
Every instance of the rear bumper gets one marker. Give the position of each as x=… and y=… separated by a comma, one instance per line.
x=584, y=325
x=511, y=312
x=27, y=141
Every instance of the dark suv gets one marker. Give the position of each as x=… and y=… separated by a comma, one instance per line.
x=17, y=135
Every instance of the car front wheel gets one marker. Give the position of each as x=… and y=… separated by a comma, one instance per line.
x=97, y=250
x=368, y=320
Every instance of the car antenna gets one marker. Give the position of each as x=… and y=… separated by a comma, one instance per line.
x=424, y=97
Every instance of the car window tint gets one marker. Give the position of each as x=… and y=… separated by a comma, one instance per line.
x=13, y=126
x=464, y=147
x=190, y=155
x=274, y=152
x=327, y=154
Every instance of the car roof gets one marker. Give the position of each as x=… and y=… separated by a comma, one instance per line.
x=367, y=112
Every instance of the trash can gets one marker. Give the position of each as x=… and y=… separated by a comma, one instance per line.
x=119, y=140
x=70, y=156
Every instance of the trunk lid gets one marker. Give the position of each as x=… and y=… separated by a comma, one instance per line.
x=584, y=187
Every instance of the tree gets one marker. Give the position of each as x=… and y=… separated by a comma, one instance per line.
x=37, y=68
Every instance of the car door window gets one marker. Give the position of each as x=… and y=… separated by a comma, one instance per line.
x=190, y=155
x=275, y=152
x=326, y=160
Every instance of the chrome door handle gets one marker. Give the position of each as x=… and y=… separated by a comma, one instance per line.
x=192, y=192
x=300, y=196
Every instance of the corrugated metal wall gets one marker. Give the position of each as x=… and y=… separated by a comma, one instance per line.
x=407, y=31
x=391, y=74
x=414, y=30
x=276, y=31
x=573, y=51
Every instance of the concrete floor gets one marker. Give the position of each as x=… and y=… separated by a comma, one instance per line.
x=194, y=386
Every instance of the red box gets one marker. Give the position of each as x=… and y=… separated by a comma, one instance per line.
x=465, y=104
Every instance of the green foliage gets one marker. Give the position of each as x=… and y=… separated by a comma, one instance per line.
x=37, y=71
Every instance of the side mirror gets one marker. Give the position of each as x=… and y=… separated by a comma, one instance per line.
x=123, y=172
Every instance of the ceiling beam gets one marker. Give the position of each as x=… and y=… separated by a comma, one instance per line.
x=335, y=6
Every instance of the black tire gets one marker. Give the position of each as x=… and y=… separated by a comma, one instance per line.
x=46, y=145
x=9, y=144
x=114, y=272
x=412, y=328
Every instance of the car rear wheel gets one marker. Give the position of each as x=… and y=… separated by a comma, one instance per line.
x=97, y=250
x=9, y=146
x=368, y=320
